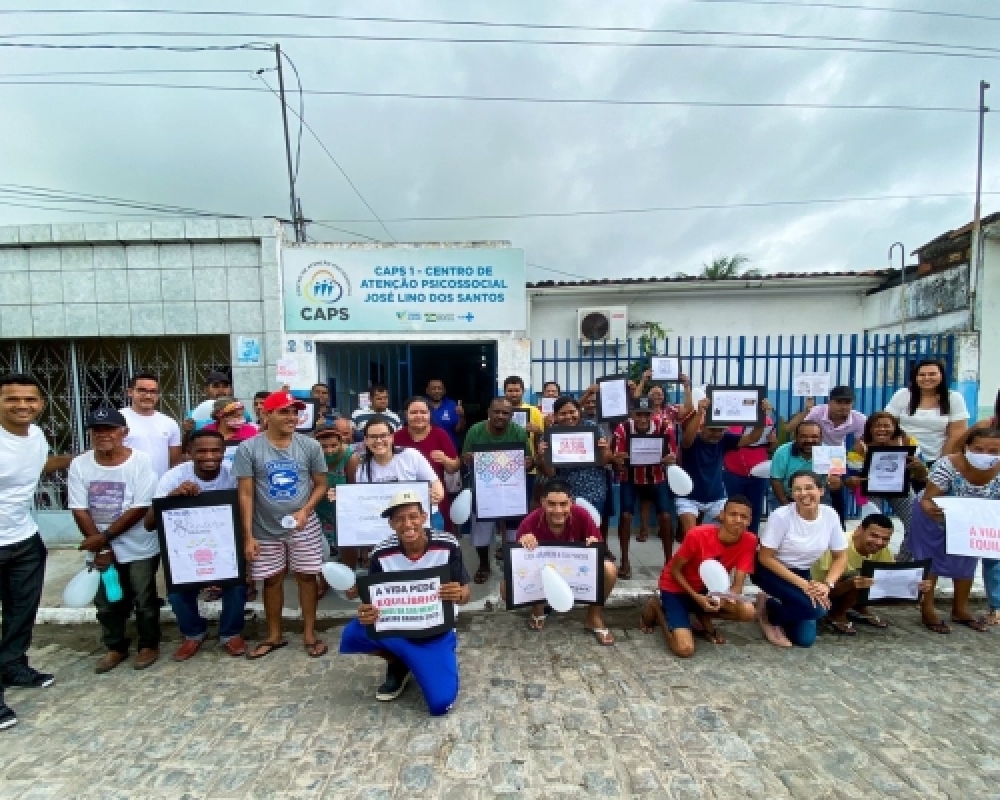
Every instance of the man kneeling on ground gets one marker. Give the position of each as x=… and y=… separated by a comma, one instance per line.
x=560, y=521
x=432, y=661
x=683, y=592
x=869, y=542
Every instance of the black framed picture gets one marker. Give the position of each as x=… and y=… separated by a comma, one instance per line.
x=734, y=405
x=665, y=369
x=408, y=603
x=646, y=449
x=895, y=583
x=499, y=481
x=571, y=447
x=307, y=417
x=580, y=565
x=614, y=398
x=201, y=540
x=885, y=471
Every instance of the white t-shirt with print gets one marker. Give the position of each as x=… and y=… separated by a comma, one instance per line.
x=184, y=473
x=153, y=435
x=107, y=492
x=22, y=459
x=409, y=465
x=927, y=425
x=800, y=542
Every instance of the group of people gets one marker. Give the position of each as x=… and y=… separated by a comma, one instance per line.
x=805, y=566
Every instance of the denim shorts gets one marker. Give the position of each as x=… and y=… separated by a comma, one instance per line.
x=656, y=493
x=677, y=608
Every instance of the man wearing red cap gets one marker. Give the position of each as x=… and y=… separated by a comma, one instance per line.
x=281, y=476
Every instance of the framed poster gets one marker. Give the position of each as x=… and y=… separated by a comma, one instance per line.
x=519, y=416
x=645, y=449
x=580, y=565
x=734, y=405
x=201, y=540
x=884, y=471
x=307, y=417
x=499, y=482
x=811, y=384
x=665, y=368
x=408, y=602
x=572, y=446
x=613, y=398
x=972, y=526
x=894, y=582
x=359, y=510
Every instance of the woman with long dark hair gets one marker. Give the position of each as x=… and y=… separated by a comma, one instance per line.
x=433, y=443
x=929, y=412
x=586, y=482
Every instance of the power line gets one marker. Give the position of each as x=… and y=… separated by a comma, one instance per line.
x=558, y=271
x=152, y=47
x=493, y=40
x=661, y=209
x=46, y=194
x=511, y=98
x=336, y=163
x=344, y=230
x=58, y=73
x=856, y=7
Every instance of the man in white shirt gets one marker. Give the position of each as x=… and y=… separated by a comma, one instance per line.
x=24, y=456
x=110, y=489
x=153, y=433
x=379, y=397
x=205, y=472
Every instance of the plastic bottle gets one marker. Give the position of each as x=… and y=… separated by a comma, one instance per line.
x=112, y=586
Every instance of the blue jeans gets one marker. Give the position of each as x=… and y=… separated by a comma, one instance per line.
x=991, y=580
x=789, y=607
x=753, y=489
x=194, y=626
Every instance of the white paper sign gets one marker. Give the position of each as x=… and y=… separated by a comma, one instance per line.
x=896, y=583
x=500, y=484
x=887, y=473
x=400, y=608
x=200, y=544
x=612, y=399
x=972, y=526
x=572, y=448
x=364, y=400
x=829, y=459
x=286, y=371
x=519, y=417
x=665, y=368
x=545, y=404
x=735, y=405
x=360, y=507
x=645, y=451
x=577, y=565
x=811, y=384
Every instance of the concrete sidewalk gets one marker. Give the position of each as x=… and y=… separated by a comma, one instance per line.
x=646, y=557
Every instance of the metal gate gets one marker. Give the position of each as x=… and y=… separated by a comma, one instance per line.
x=79, y=374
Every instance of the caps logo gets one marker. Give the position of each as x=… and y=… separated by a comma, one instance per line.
x=323, y=283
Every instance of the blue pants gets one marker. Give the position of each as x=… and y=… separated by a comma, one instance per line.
x=991, y=580
x=788, y=606
x=753, y=489
x=194, y=626
x=433, y=662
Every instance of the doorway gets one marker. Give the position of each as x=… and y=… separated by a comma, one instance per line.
x=469, y=371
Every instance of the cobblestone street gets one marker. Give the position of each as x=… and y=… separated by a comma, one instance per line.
x=897, y=713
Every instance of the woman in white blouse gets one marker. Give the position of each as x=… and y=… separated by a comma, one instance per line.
x=790, y=602
x=936, y=417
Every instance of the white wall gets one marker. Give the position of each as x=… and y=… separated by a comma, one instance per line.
x=937, y=303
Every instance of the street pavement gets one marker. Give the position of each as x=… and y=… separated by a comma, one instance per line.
x=898, y=713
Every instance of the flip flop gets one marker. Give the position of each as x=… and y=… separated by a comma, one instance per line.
x=269, y=647
x=977, y=624
x=937, y=627
x=481, y=576
x=316, y=649
x=867, y=619
x=604, y=637
x=625, y=573
x=712, y=636
x=842, y=628
x=536, y=624
x=642, y=536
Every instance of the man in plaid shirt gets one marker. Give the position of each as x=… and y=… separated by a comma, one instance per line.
x=644, y=483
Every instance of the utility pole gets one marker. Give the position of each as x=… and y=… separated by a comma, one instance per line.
x=976, y=254
x=902, y=286
x=300, y=233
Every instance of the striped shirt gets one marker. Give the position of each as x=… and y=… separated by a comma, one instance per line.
x=442, y=550
x=643, y=476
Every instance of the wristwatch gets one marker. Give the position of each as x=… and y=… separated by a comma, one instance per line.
x=832, y=585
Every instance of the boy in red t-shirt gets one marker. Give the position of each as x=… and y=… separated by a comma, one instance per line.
x=682, y=591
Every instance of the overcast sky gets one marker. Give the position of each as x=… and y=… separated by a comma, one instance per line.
x=223, y=151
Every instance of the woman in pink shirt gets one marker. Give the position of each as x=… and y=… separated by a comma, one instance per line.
x=431, y=442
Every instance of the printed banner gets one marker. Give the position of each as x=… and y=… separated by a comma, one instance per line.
x=972, y=526
x=408, y=602
x=335, y=289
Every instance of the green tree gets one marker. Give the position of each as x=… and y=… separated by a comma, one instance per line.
x=726, y=267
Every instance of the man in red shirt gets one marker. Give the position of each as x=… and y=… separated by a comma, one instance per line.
x=559, y=521
x=682, y=591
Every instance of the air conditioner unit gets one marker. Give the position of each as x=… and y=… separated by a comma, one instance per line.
x=602, y=325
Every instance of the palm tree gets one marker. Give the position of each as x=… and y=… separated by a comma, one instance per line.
x=726, y=267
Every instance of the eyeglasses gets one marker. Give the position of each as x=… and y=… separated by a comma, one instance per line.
x=146, y=391
x=378, y=436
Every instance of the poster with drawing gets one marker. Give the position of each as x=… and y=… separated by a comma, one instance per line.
x=734, y=405
x=811, y=384
x=581, y=566
x=499, y=482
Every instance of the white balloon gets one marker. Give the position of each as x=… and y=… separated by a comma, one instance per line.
x=339, y=576
x=869, y=508
x=326, y=549
x=557, y=591
x=589, y=508
x=762, y=470
x=679, y=481
x=80, y=591
x=714, y=575
x=461, y=507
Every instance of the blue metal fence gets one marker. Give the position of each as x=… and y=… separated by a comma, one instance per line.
x=874, y=365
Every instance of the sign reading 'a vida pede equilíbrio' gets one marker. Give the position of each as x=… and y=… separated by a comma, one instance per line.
x=403, y=289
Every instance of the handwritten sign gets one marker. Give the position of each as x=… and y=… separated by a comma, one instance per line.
x=360, y=507
x=408, y=602
x=972, y=526
x=580, y=565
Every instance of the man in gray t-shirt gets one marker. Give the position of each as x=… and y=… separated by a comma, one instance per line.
x=281, y=476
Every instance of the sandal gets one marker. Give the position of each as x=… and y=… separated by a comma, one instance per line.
x=873, y=619
x=604, y=637
x=977, y=624
x=937, y=627
x=712, y=636
x=841, y=628
x=498, y=555
x=642, y=536
x=625, y=573
x=536, y=624
x=316, y=649
x=268, y=647
x=993, y=618
x=481, y=576
x=252, y=594
x=212, y=594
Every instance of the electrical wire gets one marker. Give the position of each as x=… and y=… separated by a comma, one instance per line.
x=46, y=194
x=558, y=271
x=336, y=163
x=58, y=73
x=511, y=98
x=344, y=230
x=301, y=115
